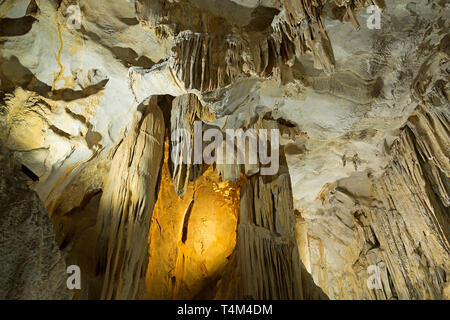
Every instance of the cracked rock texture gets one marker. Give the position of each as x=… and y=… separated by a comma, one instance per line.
x=363, y=180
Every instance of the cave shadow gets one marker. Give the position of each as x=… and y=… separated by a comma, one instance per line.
x=14, y=74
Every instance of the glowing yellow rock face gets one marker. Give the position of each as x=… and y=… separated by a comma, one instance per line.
x=191, y=238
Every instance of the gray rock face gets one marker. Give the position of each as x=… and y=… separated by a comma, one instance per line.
x=31, y=265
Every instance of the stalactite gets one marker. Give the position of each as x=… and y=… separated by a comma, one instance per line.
x=412, y=234
x=351, y=8
x=89, y=115
x=31, y=265
x=126, y=208
x=401, y=219
x=300, y=29
x=186, y=110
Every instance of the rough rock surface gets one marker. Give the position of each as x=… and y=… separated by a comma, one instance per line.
x=126, y=208
x=190, y=247
x=364, y=121
x=399, y=221
x=31, y=265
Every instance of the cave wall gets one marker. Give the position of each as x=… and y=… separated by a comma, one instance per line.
x=363, y=117
x=126, y=207
x=191, y=238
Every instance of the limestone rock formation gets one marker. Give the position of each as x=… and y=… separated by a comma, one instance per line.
x=190, y=248
x=31, y=265
x=266, y=264
x=399, y=221
x=350, y=100
x=126, y=206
